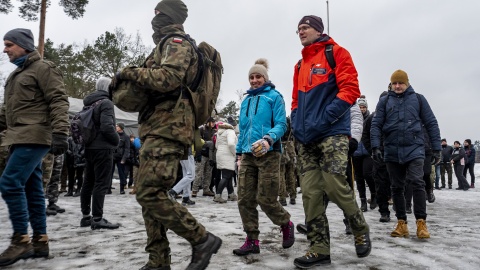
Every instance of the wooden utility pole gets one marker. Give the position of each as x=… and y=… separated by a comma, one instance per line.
x=41, y=35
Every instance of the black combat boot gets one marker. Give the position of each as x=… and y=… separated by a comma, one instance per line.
x=201, y=253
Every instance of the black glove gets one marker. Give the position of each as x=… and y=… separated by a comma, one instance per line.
x=198, y=158
x=59, y=144
x=377, y=155
x=114, y=83
x=437, y=156
x=212, y=162
x=352, y=146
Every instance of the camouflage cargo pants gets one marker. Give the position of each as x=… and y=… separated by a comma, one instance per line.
x=288, y=181
x=203, y=175
x=159, y=162
x=323, y=167
x=52, y=171
x=258, y=184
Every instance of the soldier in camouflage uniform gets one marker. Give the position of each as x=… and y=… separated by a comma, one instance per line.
x=262, y=124
x=166, y=130
x=321, y=124
x=52, y=171
x=288, y=179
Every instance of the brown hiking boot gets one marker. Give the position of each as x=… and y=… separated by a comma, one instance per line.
x=401, y=230
x=40, y=245
x=422, y=231
x=20, y=248
x=207, y=193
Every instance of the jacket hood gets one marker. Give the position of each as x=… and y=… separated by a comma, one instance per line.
x=225, y=126
x=95, y=96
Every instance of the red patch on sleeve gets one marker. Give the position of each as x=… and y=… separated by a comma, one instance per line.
x=177, y=40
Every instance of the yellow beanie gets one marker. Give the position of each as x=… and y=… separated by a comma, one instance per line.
x=399, y=76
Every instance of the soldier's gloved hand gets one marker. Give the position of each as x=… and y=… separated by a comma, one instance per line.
x=437, y=156
x=352, y=146
x=114, y=83
x=260, y=148
x=377, y=155
x=59, y=144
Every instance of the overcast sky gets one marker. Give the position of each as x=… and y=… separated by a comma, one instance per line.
x=436, y=42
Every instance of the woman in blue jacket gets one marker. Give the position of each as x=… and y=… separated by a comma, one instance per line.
x=262, y=124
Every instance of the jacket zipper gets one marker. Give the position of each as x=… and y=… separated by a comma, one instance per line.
x=256, y=106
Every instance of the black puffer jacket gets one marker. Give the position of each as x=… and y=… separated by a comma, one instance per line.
x=123, y=150
x=104, y=119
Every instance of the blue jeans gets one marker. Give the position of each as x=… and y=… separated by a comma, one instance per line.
x=437, y=175
x=22, y=188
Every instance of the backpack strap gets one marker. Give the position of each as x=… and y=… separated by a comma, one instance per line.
x=329, y=56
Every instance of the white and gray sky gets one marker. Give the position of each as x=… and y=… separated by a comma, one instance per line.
x=435, y=42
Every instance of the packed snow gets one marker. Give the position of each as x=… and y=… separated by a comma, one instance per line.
x=453, y=221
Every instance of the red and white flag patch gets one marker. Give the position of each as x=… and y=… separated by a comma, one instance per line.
x=177, y=40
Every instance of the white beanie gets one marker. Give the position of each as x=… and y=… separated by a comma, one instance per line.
x=102, y=84
x=362, y=101
x=260, y=67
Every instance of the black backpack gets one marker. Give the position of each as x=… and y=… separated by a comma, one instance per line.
x=82, y=126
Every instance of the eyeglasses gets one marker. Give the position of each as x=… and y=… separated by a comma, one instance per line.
x=303, y=28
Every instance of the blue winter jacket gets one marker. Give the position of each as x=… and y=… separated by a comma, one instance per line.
x=262, y=113
x=399, y=118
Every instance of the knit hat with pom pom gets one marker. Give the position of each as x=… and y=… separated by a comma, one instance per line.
x=260, y=67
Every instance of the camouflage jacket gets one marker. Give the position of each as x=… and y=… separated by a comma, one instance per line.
x=35, y=103
x=175, y=64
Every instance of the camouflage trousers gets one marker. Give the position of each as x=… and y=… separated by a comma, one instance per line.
x=288, y=181
x=52, y=171
x=258, y=184
x=203, y=175
x=323, y=169
x=159, y=162
x=3, y=158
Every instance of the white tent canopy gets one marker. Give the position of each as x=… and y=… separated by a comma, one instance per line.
x=129, y=119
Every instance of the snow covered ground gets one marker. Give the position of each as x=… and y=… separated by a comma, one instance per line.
x=453, y=221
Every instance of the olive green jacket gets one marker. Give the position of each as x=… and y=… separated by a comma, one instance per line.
x=35, y=103
x=175, y=64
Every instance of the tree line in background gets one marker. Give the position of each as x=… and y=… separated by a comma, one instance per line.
x=83, y=64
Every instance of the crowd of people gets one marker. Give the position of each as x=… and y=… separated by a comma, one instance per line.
x=329, y=142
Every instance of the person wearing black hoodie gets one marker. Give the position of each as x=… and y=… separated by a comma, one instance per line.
x=458, y=160
x=99, y=158
x=469, y=161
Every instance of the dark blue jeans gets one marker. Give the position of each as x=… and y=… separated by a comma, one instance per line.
x=22, y=188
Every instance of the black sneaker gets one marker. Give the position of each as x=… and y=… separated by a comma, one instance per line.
x=186, y=201
x=172, y=193
x=201, y=253
x=292, y=201
x=310, y=260
x=122, y=192
x=109, y=192
x=103, y=224
x=408, y=209
x=384, y=218
x=86, y=222
x=283, y=202
x=348, y=229
x=430, y=197
x=56, y=208
x=302, y=228
x=363, y=246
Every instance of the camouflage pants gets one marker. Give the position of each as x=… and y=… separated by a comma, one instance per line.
x=323, y=168
x=52, y=172
x=203, y=175
x=159, y=162
x=3, y=158
x=288, y=181
x=258, y=183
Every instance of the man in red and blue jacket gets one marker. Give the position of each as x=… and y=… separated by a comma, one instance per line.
x=323, y=92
